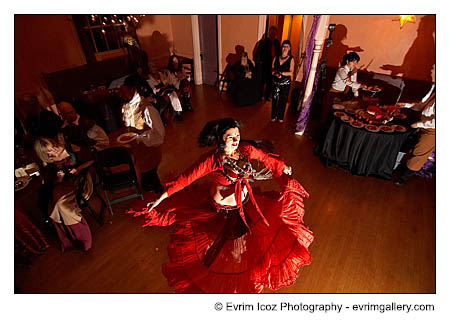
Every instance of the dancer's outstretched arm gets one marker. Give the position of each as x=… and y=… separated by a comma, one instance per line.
x=159, y=200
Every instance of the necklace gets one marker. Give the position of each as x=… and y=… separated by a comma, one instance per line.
x=284, y=57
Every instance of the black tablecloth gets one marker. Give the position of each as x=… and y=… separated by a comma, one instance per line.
x=360, y=151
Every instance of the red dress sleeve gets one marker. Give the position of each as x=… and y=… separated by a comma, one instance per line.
x=202, y=167
x=274, y=162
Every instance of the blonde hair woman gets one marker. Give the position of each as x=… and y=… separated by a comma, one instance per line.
x=61, y=171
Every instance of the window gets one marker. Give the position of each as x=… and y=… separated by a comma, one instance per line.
x=106, y=36
x=106, y=31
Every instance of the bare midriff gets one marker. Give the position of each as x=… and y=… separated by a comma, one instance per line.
x=225, y=195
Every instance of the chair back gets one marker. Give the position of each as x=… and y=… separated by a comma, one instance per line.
x=114, y=156
x=113, y=177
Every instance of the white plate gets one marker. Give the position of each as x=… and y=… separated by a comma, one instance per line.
x=21, y=184
x=126, y=137
x=338, y=107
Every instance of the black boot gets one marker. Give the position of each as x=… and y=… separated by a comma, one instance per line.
x=188, y=108
x=186, y=103
x=177, y=116
x=405, y=175
x=150, y=181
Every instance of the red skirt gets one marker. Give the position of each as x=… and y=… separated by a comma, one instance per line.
x=266, y=256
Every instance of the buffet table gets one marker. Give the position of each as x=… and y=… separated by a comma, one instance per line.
x=360, y=146
x=360, y=151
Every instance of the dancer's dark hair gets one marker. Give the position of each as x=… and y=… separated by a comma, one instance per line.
x=213, y=131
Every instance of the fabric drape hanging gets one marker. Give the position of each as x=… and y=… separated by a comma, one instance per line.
x=304, y=114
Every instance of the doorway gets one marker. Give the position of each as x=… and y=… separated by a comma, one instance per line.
x=207, y=25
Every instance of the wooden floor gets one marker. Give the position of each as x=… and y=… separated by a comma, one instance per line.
x=370, y=236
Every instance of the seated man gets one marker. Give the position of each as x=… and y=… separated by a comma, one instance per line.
x=80, y=130
x=141, y=117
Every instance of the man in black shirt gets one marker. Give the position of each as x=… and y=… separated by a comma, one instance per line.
x=266, y=51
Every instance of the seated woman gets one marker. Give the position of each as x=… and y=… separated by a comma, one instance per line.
x=160, y=84
x=344, y=80
x=244, y=86
x=180, y=80
x=61, y=170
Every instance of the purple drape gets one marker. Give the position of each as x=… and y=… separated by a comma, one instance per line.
x=428, y=169
x=304, y=114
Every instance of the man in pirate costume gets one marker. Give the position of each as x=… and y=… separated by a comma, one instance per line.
x=427, y=136
x=141, y=117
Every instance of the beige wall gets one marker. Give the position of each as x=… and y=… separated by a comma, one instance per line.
x=160, y=34
x=182, y=35
x=238, y=30
x=384, y=47
x=156, y=36
x=43, y=43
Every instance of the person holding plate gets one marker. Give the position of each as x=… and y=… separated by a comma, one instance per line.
x=141, y=117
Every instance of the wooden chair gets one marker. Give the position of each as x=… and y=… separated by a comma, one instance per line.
x=84, y=202
x=116, y=173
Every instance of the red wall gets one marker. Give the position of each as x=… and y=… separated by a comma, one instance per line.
x=43, y=43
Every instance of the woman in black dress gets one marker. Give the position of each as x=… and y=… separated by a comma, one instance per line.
x=282, y=71
x=245, y=87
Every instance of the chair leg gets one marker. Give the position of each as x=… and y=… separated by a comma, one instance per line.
x=108, y=202
x=221, y=88
x=102, y=201
x=98, y=216
x=102, y=208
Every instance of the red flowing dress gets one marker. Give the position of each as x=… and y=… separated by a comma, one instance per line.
x=269, y=254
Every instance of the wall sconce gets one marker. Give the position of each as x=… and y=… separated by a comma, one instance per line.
x=406, y=18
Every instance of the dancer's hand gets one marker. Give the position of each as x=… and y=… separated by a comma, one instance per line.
x=154, y=204
x=287, y=170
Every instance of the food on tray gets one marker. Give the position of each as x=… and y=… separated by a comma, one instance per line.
x=339, y=114
x=346, y=118
x=386, y=129
x=399, y=128
x=356, y=123
x=372, y=127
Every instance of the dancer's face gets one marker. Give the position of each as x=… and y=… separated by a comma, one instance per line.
x=231, y=137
